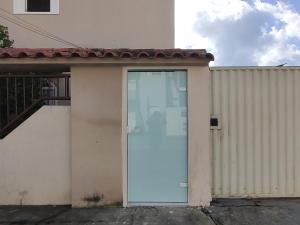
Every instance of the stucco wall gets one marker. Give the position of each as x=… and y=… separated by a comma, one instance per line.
x=64, y=155
x=100, y=23
x=35, y=167
x=199, y=169
x=96, y=117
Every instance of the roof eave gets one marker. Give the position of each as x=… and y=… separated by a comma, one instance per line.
x=108, y=61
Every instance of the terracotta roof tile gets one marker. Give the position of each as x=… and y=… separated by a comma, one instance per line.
x=104, y=53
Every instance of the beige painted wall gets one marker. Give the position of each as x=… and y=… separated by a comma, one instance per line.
x=96, y=117
x=41, y=161
x=35, y=167
x=199, y=163
x=97, y=133
x=100, y=23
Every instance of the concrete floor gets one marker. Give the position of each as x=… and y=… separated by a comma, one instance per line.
x=256, y=212
x=222, y=212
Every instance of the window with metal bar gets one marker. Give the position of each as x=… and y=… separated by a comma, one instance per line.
x=38, y=6
x=21, y=95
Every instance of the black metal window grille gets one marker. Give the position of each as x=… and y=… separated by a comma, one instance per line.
x=23, y=94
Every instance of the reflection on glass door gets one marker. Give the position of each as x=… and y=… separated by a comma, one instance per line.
x=157, y=137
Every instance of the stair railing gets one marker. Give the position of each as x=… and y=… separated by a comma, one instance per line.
x=21, y=95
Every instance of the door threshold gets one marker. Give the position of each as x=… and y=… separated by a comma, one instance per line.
x=160, y=204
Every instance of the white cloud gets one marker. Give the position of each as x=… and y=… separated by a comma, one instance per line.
x=187, y=12
x=238, y=32
x=285, y=14
x=281, y=49
x=186, y=15
x=278, y=53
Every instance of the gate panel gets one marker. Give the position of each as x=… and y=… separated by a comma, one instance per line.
x=256, y=150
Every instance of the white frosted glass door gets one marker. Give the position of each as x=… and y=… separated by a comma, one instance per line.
x=157, y=137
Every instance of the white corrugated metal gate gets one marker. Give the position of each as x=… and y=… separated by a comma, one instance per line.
x=256, y=151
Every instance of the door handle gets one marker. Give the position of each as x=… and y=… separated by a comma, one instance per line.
x=135, y=130
x=183, y=185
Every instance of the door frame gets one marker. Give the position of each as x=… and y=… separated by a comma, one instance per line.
x=125, y=132
x=198, y=138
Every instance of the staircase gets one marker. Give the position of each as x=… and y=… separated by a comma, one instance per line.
x=21, y=95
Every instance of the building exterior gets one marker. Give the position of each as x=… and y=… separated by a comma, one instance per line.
x=132, y=134
x=92, y=24
x=137, y=130
x=92, y=127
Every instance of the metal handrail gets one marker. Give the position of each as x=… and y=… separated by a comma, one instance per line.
x=28, y=107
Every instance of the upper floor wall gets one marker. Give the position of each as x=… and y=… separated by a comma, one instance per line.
x=95, y=23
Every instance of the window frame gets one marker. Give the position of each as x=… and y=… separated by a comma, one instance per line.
x=27, y=2
x=20, y=8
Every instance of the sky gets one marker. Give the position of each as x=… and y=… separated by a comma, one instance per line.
x=241, y=32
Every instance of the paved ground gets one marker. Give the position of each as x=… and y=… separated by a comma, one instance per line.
x=256, y=212
x=225, y=212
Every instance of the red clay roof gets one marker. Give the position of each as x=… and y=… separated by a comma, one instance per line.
x=104, y=53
